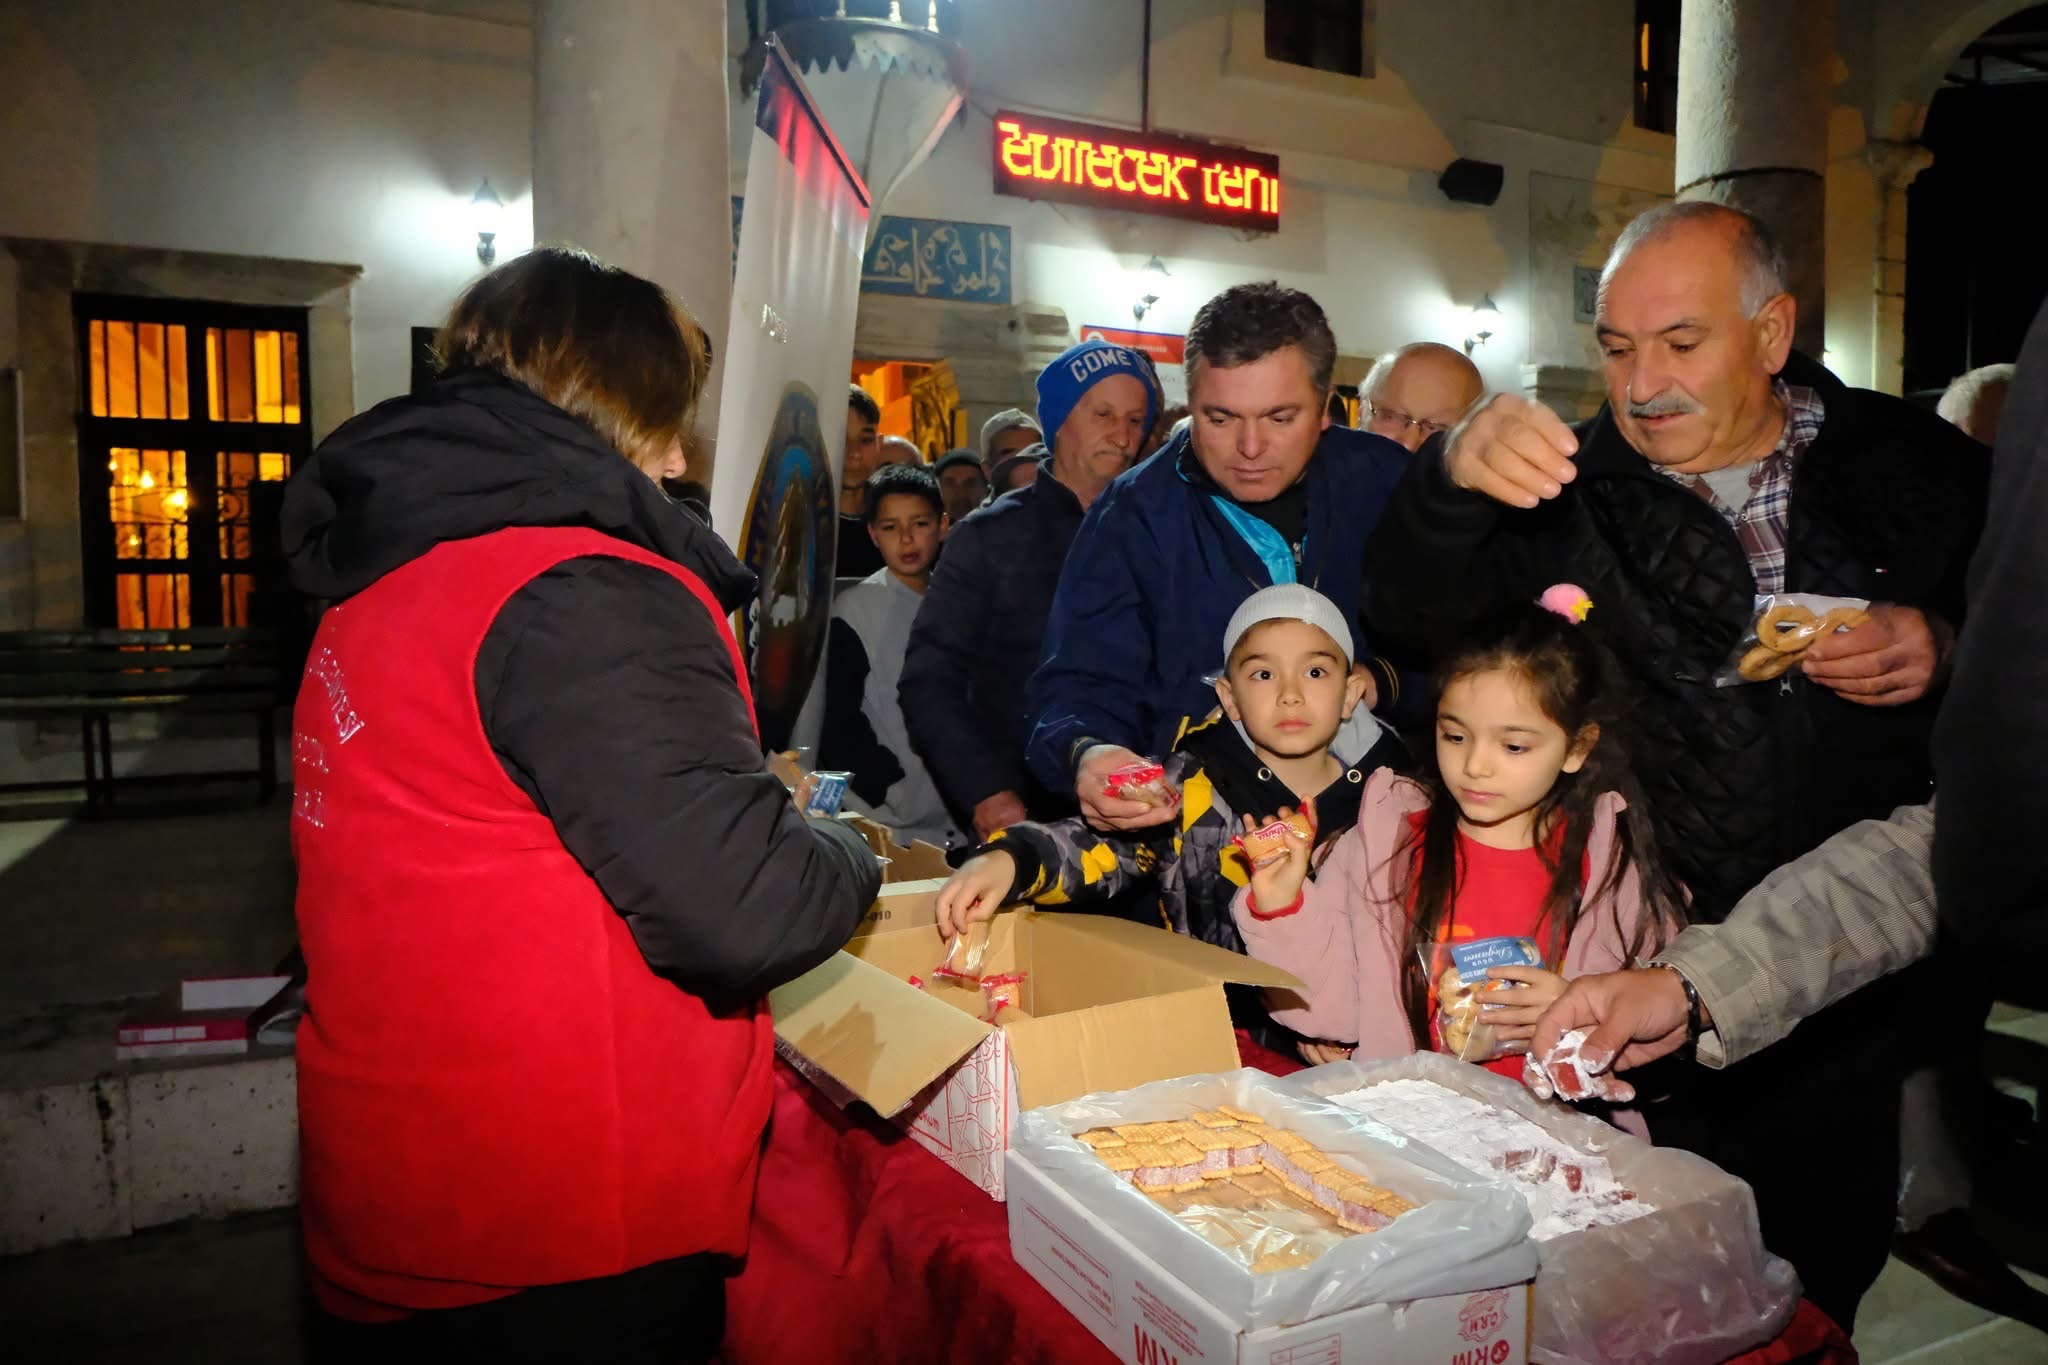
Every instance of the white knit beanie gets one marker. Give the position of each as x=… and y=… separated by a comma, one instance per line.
x=1288, y=602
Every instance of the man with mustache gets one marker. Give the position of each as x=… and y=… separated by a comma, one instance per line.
x=1260, y=489
x=1725, y=465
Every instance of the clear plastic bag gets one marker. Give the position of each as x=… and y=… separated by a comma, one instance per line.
x=1688, y=1284
x=1000, y=991
x=1781, y=629
x=965, y=953
x=1457, y=973
x=1145, y=781
x=1465, y=1235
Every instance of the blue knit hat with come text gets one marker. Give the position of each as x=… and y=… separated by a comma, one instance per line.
x=1080, y=368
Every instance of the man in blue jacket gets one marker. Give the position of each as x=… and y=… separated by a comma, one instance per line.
x=1260, y=489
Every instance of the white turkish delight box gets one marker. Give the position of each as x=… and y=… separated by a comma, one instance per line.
x=1147, y=1316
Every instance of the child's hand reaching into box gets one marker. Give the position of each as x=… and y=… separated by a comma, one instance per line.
x=975, y=892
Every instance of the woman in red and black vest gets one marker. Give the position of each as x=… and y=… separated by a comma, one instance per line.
x=544, y=877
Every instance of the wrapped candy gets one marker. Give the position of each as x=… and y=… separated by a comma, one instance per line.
x=1262, y=844
x=1000, y=990
x=1144, y=782
x=964, y=954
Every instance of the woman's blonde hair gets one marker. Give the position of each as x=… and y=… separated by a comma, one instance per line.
x=601, y=344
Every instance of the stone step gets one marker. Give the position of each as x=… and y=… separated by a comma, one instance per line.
x=142, y=1144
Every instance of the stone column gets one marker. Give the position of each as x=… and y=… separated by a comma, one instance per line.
x=1895, y=165
x=1755, y=82
x=630, y=119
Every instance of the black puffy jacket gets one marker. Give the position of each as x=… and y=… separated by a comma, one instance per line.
x=1887, y=504
x=1993, y=738
x=976, y=640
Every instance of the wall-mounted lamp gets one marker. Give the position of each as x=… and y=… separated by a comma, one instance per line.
x=1152, y=281
x=1485, y=316
x=486, y=211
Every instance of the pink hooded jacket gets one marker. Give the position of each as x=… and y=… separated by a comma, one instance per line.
x=1345, y=943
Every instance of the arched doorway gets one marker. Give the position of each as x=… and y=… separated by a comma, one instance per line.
x=1975, y=271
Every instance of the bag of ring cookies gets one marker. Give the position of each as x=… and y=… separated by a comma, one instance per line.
x=1782, y=628
x=1461, y=990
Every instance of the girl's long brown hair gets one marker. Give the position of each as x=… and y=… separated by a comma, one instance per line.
x=1576, y=684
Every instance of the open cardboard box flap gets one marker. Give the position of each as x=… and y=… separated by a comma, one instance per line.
x=903, y=905
x=1112, y=1004
x=1218, y=964
x=873, y=1034
x=1125, y=1043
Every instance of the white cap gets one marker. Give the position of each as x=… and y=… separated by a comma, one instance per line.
x=1288, y=602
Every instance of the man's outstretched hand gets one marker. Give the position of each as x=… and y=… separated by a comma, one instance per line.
x=1104, y=811
x=1513, y=450
x=1630, y=1018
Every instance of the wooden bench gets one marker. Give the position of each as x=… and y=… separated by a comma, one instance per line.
x=94, y=675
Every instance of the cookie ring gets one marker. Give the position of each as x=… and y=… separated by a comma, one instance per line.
x=1772, y=632
x=1764, y=663
x=1841, y=618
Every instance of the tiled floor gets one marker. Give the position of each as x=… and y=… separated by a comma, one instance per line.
x=1906, y=1317
x=93, y=912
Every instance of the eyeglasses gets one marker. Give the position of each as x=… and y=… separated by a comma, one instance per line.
x=1401, y=421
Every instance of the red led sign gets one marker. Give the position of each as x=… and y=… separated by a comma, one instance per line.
x=1114, y=168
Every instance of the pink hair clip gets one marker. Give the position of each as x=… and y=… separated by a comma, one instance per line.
x=1568, y=600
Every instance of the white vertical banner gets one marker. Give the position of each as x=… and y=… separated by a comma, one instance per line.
x=781, y=422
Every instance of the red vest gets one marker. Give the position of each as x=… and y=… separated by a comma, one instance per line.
x=495, y=1091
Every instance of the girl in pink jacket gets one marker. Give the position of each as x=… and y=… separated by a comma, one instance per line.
x=1527, y=824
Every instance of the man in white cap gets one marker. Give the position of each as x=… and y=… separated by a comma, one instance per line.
x=1010, y=432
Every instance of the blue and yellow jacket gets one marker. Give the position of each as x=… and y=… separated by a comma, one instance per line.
x=1193, y=860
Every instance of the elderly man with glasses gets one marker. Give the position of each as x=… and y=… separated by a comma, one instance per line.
x=1418, y=392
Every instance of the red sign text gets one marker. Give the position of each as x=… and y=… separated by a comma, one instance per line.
x=1114, y=168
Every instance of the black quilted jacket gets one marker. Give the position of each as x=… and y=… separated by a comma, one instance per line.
x=1887, y=504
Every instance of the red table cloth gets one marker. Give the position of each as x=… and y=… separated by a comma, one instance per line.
x=868, y=1248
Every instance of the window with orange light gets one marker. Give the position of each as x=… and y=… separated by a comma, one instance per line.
x=181, y=419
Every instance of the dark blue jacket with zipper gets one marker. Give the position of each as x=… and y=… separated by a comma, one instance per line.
x=1162, y=560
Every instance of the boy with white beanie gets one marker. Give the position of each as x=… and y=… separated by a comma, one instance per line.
x=1288, y=695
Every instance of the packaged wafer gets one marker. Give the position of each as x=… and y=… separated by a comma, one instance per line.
x=1262, y=844
x=1144, y=782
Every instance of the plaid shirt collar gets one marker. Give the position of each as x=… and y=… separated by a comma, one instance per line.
x=1760, y=522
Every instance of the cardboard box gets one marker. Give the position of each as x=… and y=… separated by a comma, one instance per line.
x=919, y=861
x=1146, y=1316
x=1108, y=1005
x=248, y=992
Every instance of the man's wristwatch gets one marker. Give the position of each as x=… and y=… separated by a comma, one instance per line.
x=1695, y=1012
